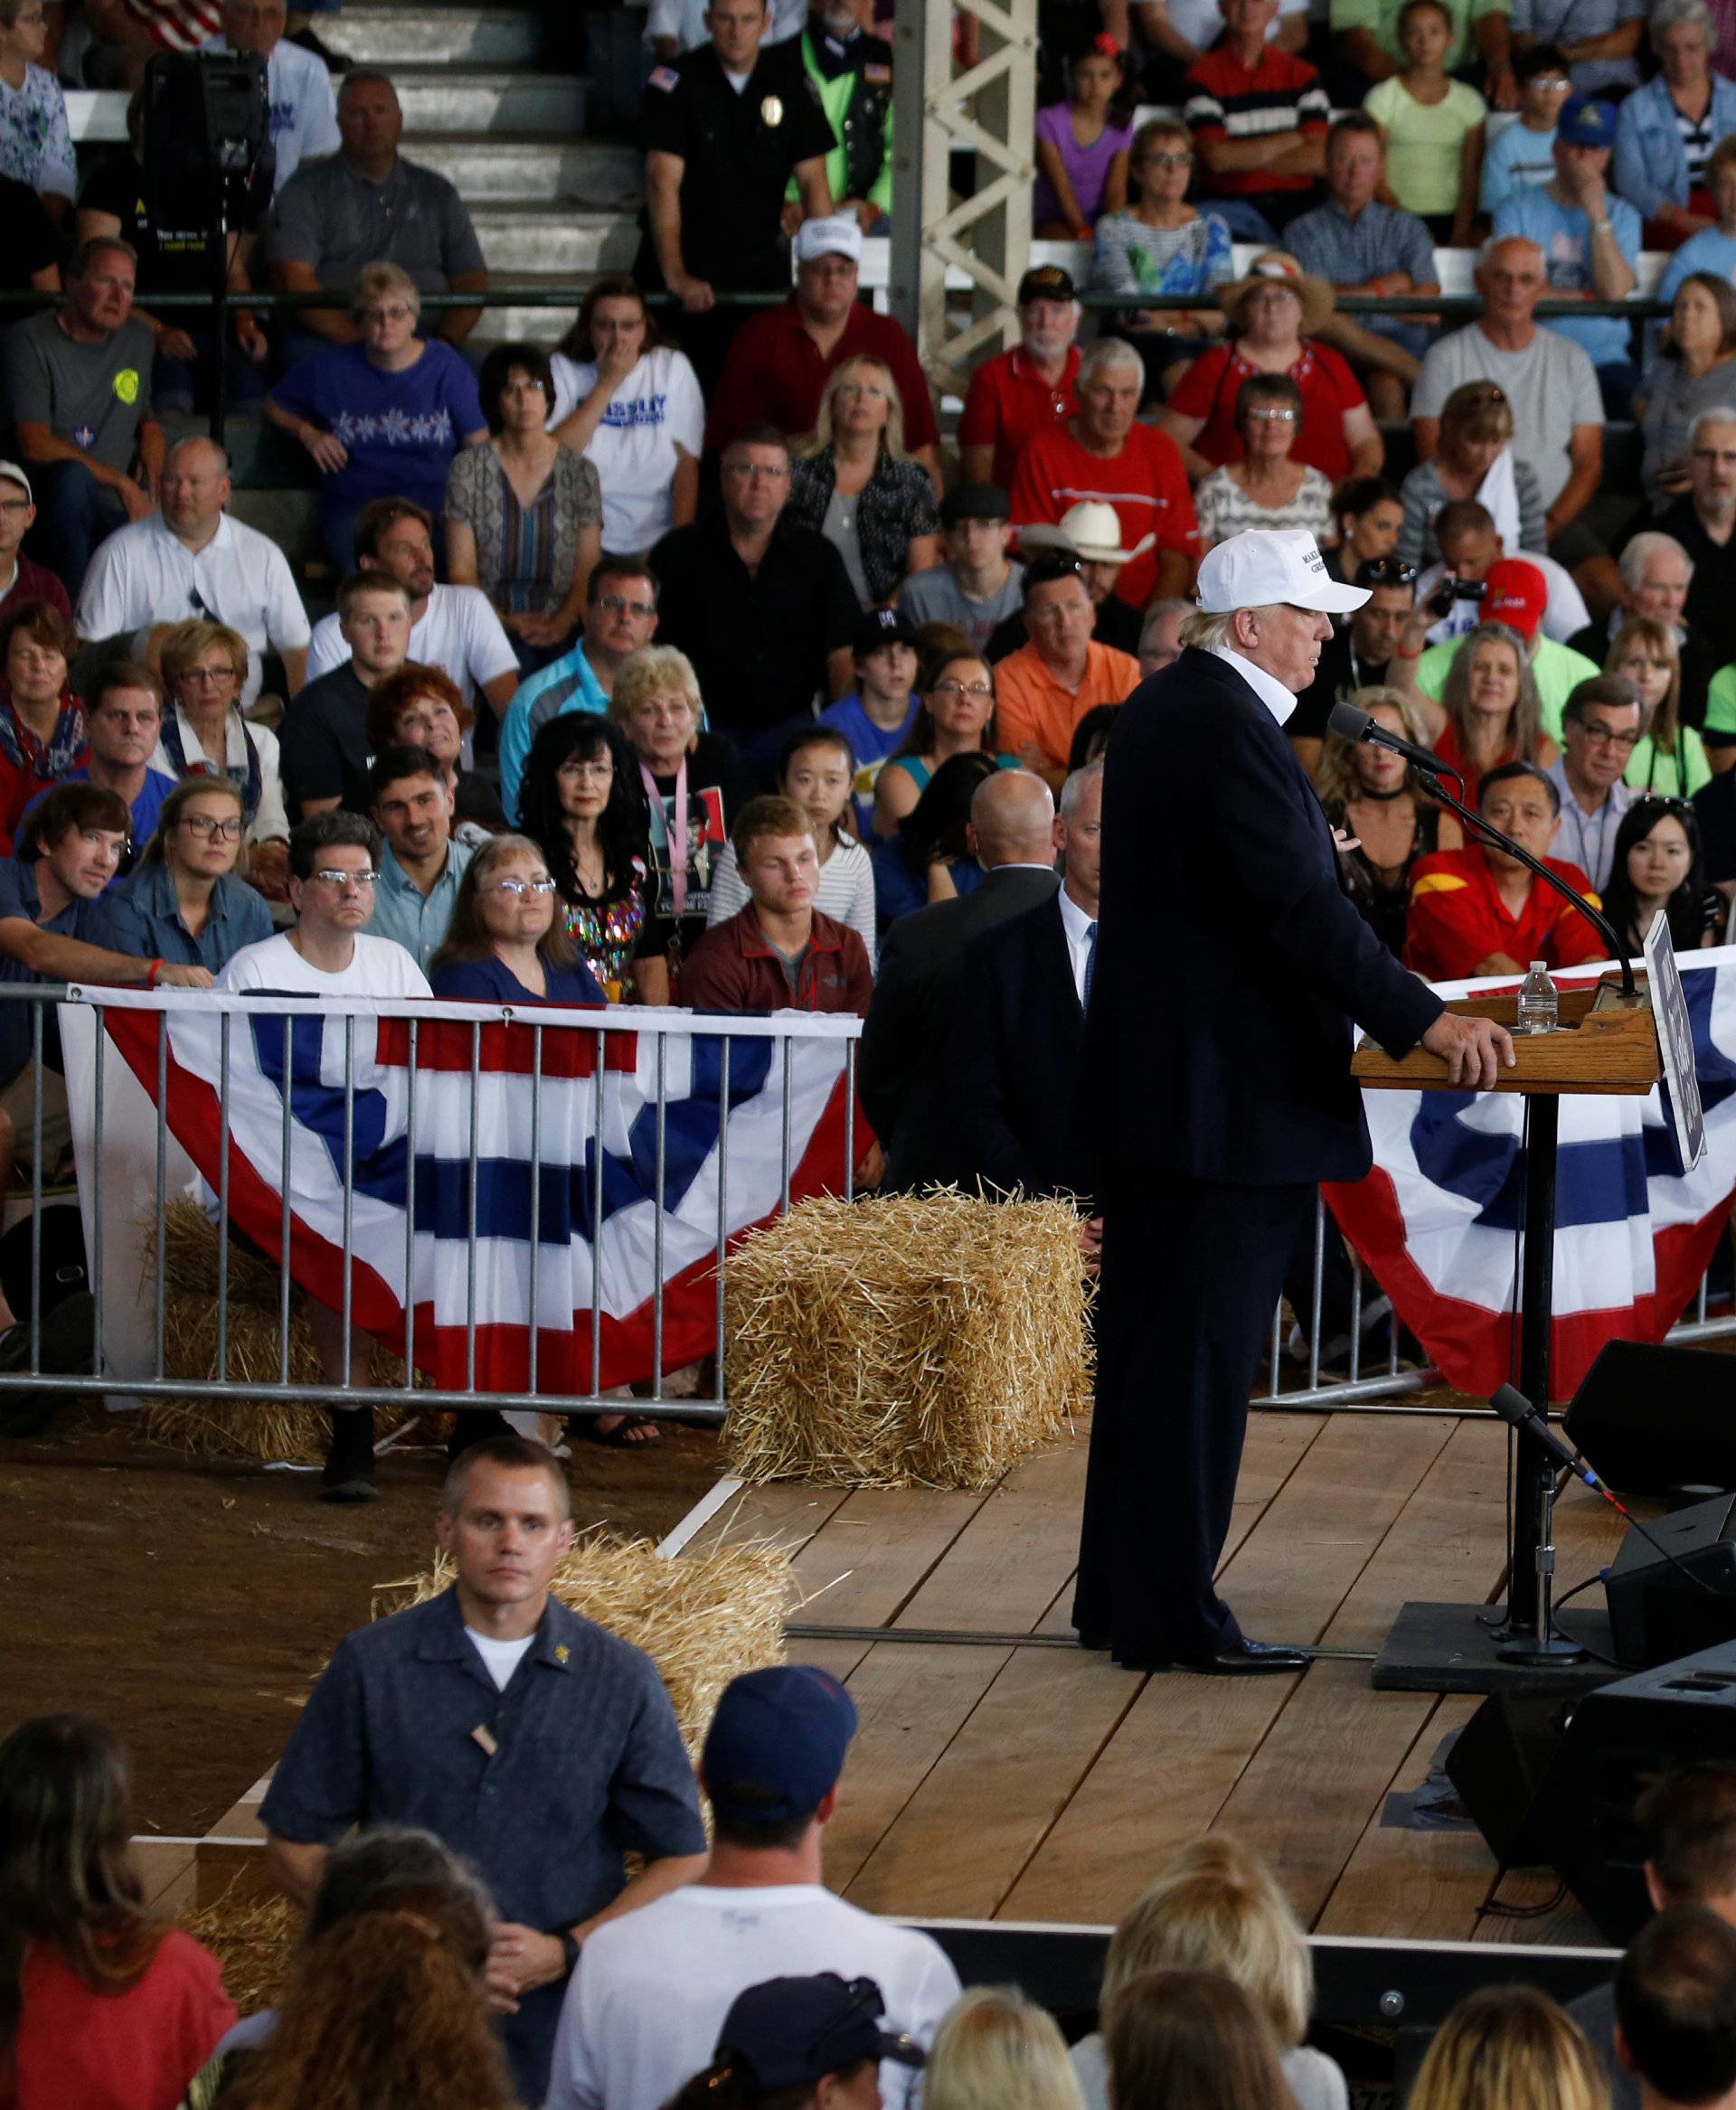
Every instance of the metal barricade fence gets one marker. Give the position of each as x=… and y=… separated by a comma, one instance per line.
x=260, y=1040
x=117, y=1099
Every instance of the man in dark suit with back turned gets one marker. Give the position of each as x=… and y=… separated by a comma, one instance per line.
x=1217, y=1071
x=906, y=1040
x=1018, y=1029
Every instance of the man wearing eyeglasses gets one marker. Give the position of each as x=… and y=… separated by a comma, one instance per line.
x=420, y=865
x=334, y=874
x=28, y=580
x=1601, y=722
x=620, y=616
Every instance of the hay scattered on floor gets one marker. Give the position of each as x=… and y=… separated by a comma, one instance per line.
x=278, y=1430
x=252, y=1937
x=905, y=1340
x=702, y=1619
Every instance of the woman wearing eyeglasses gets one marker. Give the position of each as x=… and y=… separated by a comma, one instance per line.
x=1474, y=459
x=505, y=943
x=181, y=902
x=1657, y=865
x=1670, y=758
x=204, y=736
x=1267, y=488
x=852, y=479
x=956, y=716
x=420, y=707
x=523, y=513
x=1162, y=245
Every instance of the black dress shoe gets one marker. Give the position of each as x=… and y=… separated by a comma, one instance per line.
x=1251, y=1659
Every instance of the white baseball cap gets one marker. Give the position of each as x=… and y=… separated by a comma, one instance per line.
x=1262, y=566
x=838, y=235
x=12, y=474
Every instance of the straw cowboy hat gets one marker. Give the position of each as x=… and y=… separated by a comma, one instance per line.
x=1314, y=294
x=1091, y=530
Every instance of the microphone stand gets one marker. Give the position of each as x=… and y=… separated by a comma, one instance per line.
x=1528, y=1638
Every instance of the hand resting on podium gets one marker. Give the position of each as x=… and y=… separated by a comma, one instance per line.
x=1471, y=1048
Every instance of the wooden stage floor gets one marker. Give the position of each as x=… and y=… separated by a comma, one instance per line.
x=1039, y=1783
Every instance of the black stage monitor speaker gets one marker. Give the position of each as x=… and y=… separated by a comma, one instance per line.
x=1653, y=1419
x=1498, y=1763
x=1657, y=1613
x=207, y=117
x=1618, y=1739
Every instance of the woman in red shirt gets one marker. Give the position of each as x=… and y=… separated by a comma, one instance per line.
x=1271, y=315
x=101, y=2007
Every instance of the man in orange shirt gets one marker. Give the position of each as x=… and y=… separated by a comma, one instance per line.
x=1104, y=453
x=1044, y=689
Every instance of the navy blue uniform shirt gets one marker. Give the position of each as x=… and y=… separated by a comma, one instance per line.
x=588, y=1765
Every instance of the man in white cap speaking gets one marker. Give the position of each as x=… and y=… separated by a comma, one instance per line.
x=1217, y=1075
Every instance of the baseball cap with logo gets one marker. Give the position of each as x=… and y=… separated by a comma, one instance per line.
x=837, y=235
x=1262, y=566
x=1045, y=282
x=1514, y=593
x=1584, y=122
x=879, y=628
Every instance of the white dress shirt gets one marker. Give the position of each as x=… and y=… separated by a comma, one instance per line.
x=143, y=575
x=1075, y=928
x=1270, y=690
x=457, y=632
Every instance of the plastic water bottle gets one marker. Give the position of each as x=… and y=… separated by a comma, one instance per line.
x=1537, y=1001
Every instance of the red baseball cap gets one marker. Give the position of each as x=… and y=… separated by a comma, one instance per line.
x=1514, y=593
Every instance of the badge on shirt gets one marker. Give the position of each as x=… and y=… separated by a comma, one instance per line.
x=127, y=385
x=663, y=76
x=877, y=76
x=771, y=111
x=84, y=436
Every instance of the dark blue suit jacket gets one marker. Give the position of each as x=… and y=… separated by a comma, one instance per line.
x=1231, y=961
x=1018, y=1036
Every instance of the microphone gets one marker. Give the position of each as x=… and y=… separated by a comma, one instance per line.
x=1517, y=1412
x=1351, y=724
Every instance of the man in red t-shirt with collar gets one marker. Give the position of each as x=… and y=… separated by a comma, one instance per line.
x=1025, y=391
x=1479, y=911
x=1103, y=452
x=781, y=358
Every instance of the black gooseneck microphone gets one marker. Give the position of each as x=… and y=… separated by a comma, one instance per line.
x=1351, y=724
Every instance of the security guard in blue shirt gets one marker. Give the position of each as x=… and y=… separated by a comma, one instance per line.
x=538, y=1745
x=724, y=129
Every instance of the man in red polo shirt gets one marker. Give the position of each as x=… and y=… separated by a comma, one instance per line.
x=1025, y=391
x=1103, y=452
x=778, y=953
x=777, y=368
x=1479, y=911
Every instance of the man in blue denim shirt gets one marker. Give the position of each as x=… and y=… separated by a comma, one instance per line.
x=536, y=1744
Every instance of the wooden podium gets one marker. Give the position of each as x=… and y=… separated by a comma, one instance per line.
x=1603, y=1043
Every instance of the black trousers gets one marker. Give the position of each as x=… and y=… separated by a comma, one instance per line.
x=1191, y=1269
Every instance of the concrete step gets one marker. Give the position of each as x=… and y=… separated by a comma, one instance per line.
x=556, y=241
x=593, y=172
x=389, y=35
x=445, y=99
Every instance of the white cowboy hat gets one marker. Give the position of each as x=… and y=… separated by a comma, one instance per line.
x=1090, y=529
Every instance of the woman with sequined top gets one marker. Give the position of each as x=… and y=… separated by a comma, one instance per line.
x=582, y=805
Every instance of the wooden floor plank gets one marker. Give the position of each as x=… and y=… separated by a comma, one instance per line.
x=1414, y=1886
x=1301, y=1560
x=912, y=1702
x=875, y=1550
x=969, y=1830
x=1005, y=1568
x=787, y=1511
x=1161, y=1780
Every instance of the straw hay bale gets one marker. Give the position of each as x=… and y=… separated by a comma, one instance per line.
x=254, y=1938
x=702, y=1619
x=269, y=1429
x=905, y=1340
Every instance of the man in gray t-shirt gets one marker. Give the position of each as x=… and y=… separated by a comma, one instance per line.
x=365, y=204
x=78, y=378
x=976, y=589
x=1552, y=387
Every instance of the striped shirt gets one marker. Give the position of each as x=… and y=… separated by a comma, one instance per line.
x=178, y=25
x=1227, y=101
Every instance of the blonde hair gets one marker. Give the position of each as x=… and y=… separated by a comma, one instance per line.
x=1524, y=720
x=1335, y=776
x=994, y=2049
x=188, y=643
x=1207, y=631
x=650, y=672
x=1510, y=2047
x=373, y=281
x=1657, y=641
x=1217, y=1907
x=891, y=437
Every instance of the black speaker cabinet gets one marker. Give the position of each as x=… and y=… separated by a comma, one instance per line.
x=1498, y=1763
x=1617, y=1741
x=1657, y=1613
x=1653, y=1418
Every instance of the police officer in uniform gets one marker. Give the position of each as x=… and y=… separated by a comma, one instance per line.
x=851, y=69
x=724, y=128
